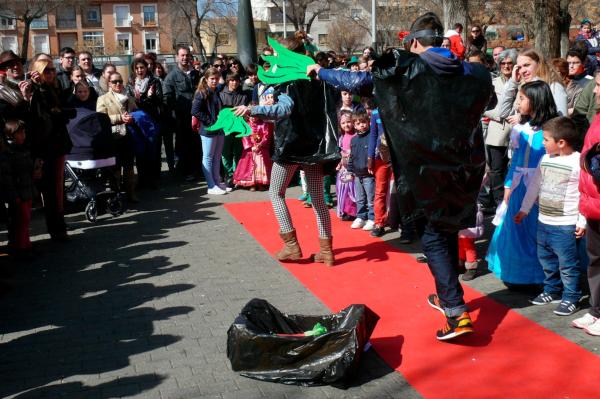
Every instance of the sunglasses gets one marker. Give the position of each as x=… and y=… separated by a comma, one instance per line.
x=475, y=31
x=218, y=65
x=116, y=82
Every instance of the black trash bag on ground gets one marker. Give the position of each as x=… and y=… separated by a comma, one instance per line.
x=256, y=351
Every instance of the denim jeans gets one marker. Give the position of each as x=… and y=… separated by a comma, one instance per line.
x=212, y=147
x=441, y=249
x=365, y=193
x=558, y=255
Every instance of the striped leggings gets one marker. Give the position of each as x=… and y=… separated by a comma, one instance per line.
x=281, y=175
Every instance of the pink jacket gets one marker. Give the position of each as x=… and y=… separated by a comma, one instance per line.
x=589, y=203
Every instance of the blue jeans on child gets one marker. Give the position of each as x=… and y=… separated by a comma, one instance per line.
x=212, y=147
x=559, y=256
x=365, y=194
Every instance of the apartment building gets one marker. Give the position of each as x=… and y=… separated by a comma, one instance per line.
x=105, y=28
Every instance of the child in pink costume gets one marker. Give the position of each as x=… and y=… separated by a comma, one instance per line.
x=254, y=168
x=344, y=186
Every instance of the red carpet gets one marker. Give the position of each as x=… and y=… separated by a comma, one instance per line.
x=507, y=356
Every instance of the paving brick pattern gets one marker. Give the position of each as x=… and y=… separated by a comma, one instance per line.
x=139, y=306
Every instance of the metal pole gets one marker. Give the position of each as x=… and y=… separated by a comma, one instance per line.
x=246, y=37
x=284, y=21
x=373, y=27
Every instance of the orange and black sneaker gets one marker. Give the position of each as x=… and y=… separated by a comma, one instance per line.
x=434, y=301
x=456, y=326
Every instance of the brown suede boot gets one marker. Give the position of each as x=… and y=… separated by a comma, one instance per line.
x=291, y=249
x=325, y=254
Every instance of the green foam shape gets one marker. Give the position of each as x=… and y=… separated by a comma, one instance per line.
x=230, y=123
x=286, y=66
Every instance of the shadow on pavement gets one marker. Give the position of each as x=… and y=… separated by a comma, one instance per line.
x=82, y=308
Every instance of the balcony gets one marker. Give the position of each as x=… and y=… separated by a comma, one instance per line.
x=64, y=23
x=39, y=23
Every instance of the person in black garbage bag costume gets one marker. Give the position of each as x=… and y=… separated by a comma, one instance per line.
x=431, y=104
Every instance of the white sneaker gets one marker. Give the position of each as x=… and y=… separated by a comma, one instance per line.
x=216, y=190
x=585, y=321
x=369, y=225
x=594, y=328
x=357, y=224
x=225, y=188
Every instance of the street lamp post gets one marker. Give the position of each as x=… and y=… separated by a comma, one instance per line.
x=284, y=21
x=373, y=24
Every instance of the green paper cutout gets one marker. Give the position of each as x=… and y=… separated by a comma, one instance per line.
x=230, y=123
x=317, y=330
x=286, y=66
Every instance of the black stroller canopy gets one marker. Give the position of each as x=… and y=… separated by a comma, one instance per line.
x=91, y=135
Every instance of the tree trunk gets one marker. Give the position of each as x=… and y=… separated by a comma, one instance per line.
x=456, y=11
x=565, y=27
x=546, y=27
x=25, y=43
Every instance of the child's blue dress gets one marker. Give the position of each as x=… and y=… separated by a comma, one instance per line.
x=512, y=254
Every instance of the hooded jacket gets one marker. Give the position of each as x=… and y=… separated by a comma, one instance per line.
x=589, y=202
x=430, y=106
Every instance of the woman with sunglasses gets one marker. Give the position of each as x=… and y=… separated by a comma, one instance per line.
x=497, y=135
x=146, y=90
x=49, y=143
x=476, y=40
x=118, y=105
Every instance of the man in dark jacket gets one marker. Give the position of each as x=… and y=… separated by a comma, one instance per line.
x=178, y=92
x=67, y=62
x=430, y=104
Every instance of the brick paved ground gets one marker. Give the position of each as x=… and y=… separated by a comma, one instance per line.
x=139, y=306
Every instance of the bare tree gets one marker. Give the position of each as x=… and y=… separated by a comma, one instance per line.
x=302, y=13
x=455, y=11
x=547, y=25
x=344, y=40
x=195, y=14
x=27, y=11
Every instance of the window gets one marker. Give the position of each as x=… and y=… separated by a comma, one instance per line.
x=92, y=14
x=94, y=42
x=149, y=15
x=122, y=17
x=40, y=23
x=151, y=41
x=324, y=16
x=123, y=43
x=275, y=15
x=67, y=39
x=223, y=39
x=9, y=43
x=66, y=18
x=41, y=44
x=322, y=39
x=355, y=13
x=7, y=23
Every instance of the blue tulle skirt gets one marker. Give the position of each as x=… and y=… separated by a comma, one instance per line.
x=512, y=254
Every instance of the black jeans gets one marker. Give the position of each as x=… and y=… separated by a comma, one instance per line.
x=497, y=160
x=441, y=249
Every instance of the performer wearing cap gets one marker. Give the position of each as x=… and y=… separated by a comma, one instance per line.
x=430, y=103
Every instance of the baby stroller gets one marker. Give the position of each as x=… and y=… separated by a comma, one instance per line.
x=90, y=172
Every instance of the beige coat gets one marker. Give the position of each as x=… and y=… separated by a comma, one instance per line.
x=498, y=130
x=110, y=105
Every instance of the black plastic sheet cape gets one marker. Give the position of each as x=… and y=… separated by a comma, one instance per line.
x=310, y=134
x=432, y=125
x=256, y=351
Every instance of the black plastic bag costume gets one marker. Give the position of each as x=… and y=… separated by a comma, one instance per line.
x=432, y=125
x=310, y=134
